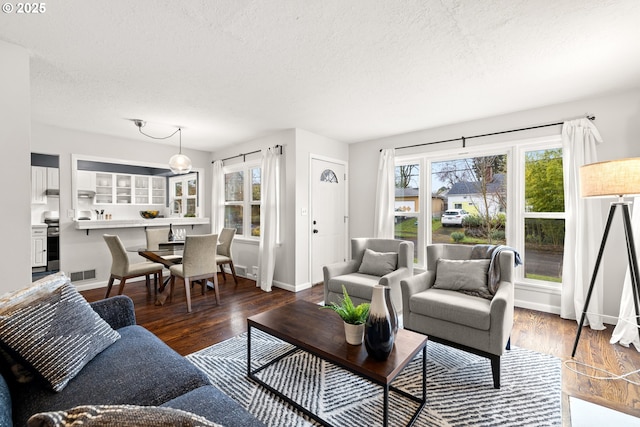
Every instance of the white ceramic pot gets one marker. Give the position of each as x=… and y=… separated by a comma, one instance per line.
x=353, y=333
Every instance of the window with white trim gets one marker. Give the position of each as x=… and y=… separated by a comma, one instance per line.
x=510, y=193
x=242, y=193
x=183, y=193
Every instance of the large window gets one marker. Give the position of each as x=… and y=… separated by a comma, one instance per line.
x=507, y=194
x=242, y=191
x=470, y=200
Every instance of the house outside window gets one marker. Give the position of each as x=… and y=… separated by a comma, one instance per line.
x=242, y=191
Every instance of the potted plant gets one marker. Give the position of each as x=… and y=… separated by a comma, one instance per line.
x=354, y=317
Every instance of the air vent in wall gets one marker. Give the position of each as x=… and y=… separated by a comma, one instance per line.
x=83, y=275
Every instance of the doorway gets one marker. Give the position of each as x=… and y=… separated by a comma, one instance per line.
x=328, y=215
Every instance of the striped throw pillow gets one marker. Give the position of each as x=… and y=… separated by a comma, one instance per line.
x=51, y=329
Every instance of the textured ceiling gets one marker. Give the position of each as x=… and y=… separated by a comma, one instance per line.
x=232, y=70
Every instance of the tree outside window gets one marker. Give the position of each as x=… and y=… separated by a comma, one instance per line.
x=544, y=215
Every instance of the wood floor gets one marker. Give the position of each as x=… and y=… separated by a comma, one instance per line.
x=546, y=333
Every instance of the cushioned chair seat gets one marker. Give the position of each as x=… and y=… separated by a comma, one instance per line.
x=121, y=374
x=454, y=307
x=358, y=285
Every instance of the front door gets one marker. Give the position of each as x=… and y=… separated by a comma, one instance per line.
x=328, y=215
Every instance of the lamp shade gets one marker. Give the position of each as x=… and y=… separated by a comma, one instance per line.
x=615, y=178
x=180, y=164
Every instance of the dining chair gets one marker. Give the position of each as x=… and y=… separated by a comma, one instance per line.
x=223, y=252
x=122, y=269
x=198, y=263
x=155, y=236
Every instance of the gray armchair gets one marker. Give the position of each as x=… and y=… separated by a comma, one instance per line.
x=472, y=323
x=388, y=262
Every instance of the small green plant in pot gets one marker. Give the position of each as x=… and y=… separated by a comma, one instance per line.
x=354, y=317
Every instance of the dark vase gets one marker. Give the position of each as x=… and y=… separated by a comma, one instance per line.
x=378, y=333
x=393, y=314
x=170, y=237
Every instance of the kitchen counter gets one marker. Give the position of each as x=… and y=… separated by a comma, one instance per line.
x=130, y=223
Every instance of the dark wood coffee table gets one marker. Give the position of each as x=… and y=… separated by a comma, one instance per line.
x=321, y=333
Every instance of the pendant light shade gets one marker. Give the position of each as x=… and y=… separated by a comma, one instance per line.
x=180, y=164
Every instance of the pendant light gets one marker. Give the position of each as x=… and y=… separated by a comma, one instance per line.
x=178, y=163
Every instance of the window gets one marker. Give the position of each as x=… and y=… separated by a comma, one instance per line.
x=473, y=192
x=184, y=195
x=242, y=193
x=543, y=215
x=407, y=203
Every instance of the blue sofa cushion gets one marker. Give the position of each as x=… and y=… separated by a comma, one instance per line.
x=5, y=404
x=137, y=369
x=214, y=405
x=119, y=416
x=50, y=328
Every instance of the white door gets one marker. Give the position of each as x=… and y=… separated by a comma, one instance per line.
x=328, y=215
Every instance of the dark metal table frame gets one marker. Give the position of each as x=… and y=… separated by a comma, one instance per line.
x=386, y=386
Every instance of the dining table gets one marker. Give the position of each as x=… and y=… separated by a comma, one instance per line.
x=164, y=254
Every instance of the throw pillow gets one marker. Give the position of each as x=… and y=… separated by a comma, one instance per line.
x=119, y=416
x=378, y=263
x=463, y=275
x=50, y=328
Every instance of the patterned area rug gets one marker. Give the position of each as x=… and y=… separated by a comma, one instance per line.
x=459, y=387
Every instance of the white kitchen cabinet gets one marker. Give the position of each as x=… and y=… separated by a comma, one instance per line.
x=104, y=188
x=38, y=184
x=53, y=179
x=86, y=181
x=39, y=246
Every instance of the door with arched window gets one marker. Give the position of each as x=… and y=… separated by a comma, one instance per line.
x=328, y=215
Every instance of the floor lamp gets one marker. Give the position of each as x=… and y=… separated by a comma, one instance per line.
x=617, y=178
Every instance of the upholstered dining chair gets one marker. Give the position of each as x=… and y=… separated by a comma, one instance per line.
x=122, y=269
x=465, y=300
x=155, y=236
x=198, y=264
x=224, y=252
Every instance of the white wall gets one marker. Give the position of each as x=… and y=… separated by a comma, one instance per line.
x=15, y=221
x=617, y=119
x=79, y=252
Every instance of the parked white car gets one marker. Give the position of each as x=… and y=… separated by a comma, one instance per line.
x=453, y=217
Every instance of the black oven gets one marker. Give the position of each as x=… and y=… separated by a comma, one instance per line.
x=53, y=244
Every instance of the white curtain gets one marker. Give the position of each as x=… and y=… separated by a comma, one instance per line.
x=269, y=217
x=583, y=225
x=217, y=198
x=626, y=331
x=385, y=195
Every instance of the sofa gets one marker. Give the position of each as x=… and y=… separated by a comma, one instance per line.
x=137, y=369
x=373, y=261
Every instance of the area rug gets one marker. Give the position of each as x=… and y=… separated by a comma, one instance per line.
x=459, y=387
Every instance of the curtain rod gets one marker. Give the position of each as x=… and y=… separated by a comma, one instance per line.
x=464, y=138
x=244, y=155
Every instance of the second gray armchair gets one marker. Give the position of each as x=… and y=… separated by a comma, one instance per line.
x=374, y=261
x=465, y=299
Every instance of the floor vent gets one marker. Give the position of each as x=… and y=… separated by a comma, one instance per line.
x=83, y=275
